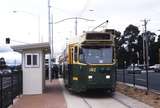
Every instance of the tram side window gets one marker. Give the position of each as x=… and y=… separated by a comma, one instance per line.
x=113, y=55
x=75, y=54
x=81, y=56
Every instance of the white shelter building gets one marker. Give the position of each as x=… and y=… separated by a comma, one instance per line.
x=33, y=66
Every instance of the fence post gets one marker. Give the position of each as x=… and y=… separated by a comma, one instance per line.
x=19, y=83
x=116, y=67
x=124, y=66
x=134, y=77
x=1, y=90
x=12, y=96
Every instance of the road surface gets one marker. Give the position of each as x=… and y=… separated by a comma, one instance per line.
x=140, y=79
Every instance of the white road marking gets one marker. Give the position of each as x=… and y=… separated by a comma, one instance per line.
x=141, y=80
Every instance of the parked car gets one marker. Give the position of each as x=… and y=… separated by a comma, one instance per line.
x=133, y=70
x=155, y=67
x=141, y=66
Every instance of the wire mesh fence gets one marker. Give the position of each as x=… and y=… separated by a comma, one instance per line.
x=10, y=87
x=139, y=78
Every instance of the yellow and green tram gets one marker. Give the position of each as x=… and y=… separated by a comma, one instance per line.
x=90, y=63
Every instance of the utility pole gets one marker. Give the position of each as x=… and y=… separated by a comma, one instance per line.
x=76, y=26
x=145, y=52
x=52, y=49
x=49, y=39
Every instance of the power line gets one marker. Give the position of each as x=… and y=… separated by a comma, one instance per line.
x=19, y=42
x=84, y=8
x=76, y=22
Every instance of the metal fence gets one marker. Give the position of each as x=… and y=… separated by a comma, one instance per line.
x=152, y=82
x=10, y=87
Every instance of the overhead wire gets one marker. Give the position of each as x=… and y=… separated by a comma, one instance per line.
x=84, y=8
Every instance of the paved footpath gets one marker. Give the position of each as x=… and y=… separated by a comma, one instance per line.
x=52, y=98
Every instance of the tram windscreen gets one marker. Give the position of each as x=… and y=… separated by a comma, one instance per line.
x=96, y=55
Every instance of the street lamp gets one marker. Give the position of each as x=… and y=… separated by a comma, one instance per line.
x=38, y=17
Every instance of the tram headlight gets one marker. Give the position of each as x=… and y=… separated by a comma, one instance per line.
x=75, y=78
x=108, y=76
x=90, y=76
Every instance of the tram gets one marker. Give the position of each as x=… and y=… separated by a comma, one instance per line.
x=90, y=62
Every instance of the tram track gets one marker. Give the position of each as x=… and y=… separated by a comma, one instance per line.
x=100, y=100
x=118, y=100
x=85, y=101
x=114, y=98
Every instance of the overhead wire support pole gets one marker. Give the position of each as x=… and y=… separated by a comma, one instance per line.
x=52, y=49
x=76, y=26
x=49, y=39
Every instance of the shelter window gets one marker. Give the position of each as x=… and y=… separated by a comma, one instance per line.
x=28, y=59
x=32, y=60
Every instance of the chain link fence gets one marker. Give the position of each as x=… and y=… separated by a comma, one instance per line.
x=149, y=79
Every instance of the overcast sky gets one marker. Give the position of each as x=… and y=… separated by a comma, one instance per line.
x=23, y=25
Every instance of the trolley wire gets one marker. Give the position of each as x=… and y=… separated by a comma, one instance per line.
x=84, y=8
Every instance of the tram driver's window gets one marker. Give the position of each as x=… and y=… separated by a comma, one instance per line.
x=75, y=54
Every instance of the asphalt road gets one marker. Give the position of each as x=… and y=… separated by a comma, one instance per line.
x=140, y=79
x=93, y=99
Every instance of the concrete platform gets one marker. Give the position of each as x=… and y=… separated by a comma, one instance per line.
x=52, y=98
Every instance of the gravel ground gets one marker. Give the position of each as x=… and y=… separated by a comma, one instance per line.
x=152, y=99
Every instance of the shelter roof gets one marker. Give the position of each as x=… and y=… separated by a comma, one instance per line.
x=41, y=46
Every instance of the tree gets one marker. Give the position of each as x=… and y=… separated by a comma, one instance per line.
x=158, y=40
x=2, y=63
x=117, y=46
x=122, y=56
x=140, y=49
x=131, y=40
x=132, y=32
